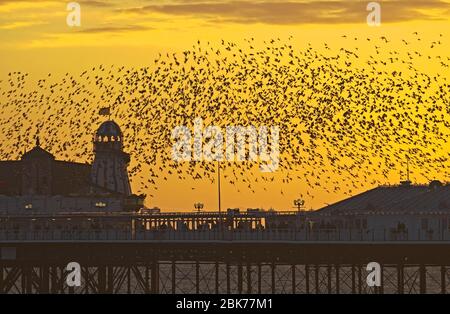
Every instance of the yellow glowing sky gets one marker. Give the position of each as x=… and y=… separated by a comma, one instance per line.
x=36, y=39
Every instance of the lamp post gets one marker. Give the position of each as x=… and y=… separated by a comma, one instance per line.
x=299, y=204
x=218, y=187
x=198, y=206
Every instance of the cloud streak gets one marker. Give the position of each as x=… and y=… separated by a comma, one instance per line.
x=114, y=29
x=21, y=24
x=290, y=12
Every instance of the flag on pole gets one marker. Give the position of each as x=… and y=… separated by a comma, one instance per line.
x=104, y=111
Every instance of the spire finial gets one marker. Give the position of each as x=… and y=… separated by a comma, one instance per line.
x=38, y=142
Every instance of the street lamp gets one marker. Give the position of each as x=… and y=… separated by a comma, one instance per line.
x=198, y=206
x=299, y=203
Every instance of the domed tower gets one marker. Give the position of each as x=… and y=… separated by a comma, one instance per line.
x=109, y=169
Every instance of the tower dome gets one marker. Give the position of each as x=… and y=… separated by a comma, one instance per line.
x=108, y=131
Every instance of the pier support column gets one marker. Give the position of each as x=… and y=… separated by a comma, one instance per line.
x=110, y=279
x=129, y=279
x=54, y=280
x=174, y=278
x=329, y=284
x=259, y=278
x=27, y=286
x=273, y=266
x=45, y=277
x=62, y=281
x=155, y=278
x=101, y=270
x=294, y=284
x=29, y=277
x=197, y=277
x=359, y=279
x=239, y=279
x=316, y=277
x=353, y=280
x=443, y=280
x=249, y=278
x=146, y=279
x=307, y=279
x=23, y=281
x=400, y=279
x=228, y=278
x=86, y=276
x=381, y=288
x=423, y=279
x=217, y=278
x=337, y=279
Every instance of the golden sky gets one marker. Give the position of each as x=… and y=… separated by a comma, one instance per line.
x=35, y=39
x=132, y=31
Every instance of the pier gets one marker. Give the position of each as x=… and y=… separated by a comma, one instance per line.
x=210, y=252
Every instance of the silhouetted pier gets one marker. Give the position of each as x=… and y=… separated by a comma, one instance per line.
x=253, y=252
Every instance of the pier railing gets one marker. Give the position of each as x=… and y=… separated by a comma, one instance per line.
x=222, y=235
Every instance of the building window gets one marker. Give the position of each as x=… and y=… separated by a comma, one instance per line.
x=29, y=206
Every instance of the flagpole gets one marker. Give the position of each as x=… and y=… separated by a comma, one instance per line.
x=221, y=229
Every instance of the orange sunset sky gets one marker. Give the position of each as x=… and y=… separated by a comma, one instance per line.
x=35, y=39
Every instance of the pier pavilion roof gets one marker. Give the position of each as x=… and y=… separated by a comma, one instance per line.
x=434, y=197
